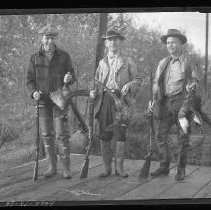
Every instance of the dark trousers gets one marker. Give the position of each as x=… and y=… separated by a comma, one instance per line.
x=106, y=117
x=168, y=116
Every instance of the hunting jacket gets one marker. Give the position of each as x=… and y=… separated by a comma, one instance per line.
x=126, y=72
x=48, y=76
x=189, y=68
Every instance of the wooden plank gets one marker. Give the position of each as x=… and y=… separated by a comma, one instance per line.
x=155, y=187
x=81, y=188
x=109, y=188
x=133, y=183
x=11, y=192
x=87, y=190
x=189, y=186
x=25, y=172
x=205, y=192
x=51, y=189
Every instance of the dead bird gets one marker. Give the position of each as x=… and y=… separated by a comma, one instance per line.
x=191, y=111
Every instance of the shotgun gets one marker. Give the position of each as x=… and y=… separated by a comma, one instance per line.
x=116, y=96
x=35, y=175
x=85, y=167
x=144, y=173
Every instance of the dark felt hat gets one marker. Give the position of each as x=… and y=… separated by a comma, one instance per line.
x=174, y=33
x=48, y=30
x=111, y=34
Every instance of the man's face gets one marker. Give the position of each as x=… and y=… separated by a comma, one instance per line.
x=113, y=44
x=48, y=42
x=174, y=45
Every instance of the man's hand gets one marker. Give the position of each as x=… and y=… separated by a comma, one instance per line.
x=93, y=94
x=191, y=86
x=125, y=89
x=184, y=124
x=67, y=77
x=118, y=104
x=150, y=106
x=37, y=95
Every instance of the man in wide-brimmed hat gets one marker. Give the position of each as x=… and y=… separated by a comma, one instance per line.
x=175, y=76
x=118, y=73
x=49, y=69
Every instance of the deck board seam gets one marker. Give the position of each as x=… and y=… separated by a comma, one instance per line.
x=175, y=183
x=141, y=184
x=97, y=188
x=50, y=180
x=40, y=160
x=28, y=178
x=200, y=189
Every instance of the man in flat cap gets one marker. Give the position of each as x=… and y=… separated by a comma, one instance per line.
x=175, y=76
x=49, y=69
x=118, y=73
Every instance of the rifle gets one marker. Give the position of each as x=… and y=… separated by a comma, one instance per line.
x=85, y=167
x=35, y=175
x=144, y=173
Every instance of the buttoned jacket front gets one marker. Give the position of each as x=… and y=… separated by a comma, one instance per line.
x=48, y=76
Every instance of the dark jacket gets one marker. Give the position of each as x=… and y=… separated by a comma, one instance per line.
x=48, y=77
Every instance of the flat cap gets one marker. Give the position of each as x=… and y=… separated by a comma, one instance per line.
x=48, y=30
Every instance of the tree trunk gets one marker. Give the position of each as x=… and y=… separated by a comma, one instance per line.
x=99, y=55
x=100, y=44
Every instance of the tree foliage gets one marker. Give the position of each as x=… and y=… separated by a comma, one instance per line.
x=78, y=36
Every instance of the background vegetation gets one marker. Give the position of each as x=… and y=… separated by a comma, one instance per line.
x=78, y=36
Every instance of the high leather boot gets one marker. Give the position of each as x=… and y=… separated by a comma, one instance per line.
x=64, y=154
x=107, y=158
x=52, y=161
x=46, y=126
x=164, y=162
x=119, y=159
x=182, y=157
x=62, y=136
x=66, y=167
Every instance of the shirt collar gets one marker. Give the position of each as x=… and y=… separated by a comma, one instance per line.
x=180, y=58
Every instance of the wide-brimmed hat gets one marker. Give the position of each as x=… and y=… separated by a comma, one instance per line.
x=48, y=30
x=110, y=34
x=174, y=33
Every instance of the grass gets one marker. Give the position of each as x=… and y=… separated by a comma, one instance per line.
x=18, y=135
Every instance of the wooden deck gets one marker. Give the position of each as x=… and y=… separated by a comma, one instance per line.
x=16, y=184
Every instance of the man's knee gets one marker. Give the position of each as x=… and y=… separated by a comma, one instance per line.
x=120, y=133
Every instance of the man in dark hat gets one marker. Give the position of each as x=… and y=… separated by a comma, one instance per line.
x=118, y=73
x=175, y=76
x=49, y=69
